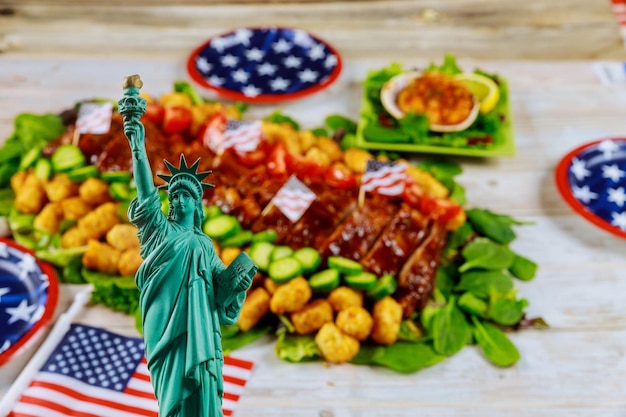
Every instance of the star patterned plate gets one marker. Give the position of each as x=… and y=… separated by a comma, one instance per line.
x=592, y=180
x=264, y=65
x=28, y=296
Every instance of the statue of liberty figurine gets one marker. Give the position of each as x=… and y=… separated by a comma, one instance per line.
x=186, y=291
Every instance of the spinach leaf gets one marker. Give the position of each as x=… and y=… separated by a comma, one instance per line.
x=483, y=283
x=484, y=253
x=457, y=239
x=296, y=348
x=186, y=88
x=409, y=332
x=6, y=201
x=507, y=311
x=320, y=132
x=337, y=121
x=445, y=281
x=473, y=305
x=441, y=168
x=415, y=126
x=368, y=354
x=407, y=357
x=523, y=268
x=62, y=256
x=494, y=226
x=448, y=67
x=450, y=329
x=376, y=133
x=278, y=117
x=497, y=348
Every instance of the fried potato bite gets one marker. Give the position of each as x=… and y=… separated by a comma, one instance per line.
x=257, y=304
x=312, y=316
x=129, y=262
x=94, y=191
x=98, y=222
x=123, y=236
x=101, y=257
x=291, y=296
x=74, y=208
x=31, y=196
x=74, y=237
x=60, y=187
x=49, y=218
x=387, y=315
x=336, y=346
x=343, y=297
x=356, y=322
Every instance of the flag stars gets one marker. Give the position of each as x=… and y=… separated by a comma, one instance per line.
x=316, y=52
x=203, y=65
x=4, y=250
x=266, y=69
x=254, y=54
x=617, y=196
x=619, y=220
x=279, y=84
x=251, y=91
x=22, y=312
x=584, y=194
x=579, y=170
x=307, y=76
x=292, y=62
x=607, y=147
x=330, y=62
x=241, y=76
x=612, y=172
x=281, y=46
x=229, y=61
x=215, y=80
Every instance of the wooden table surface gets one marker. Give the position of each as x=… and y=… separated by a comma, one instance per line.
x=55, y=53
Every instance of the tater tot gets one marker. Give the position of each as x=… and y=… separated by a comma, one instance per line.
x=429, y=184
x=31, y=196
x=129, y=262
x=74, y=237
x=356, y=159
x=228, y=255
x=17, y=180
x=94, y=191
x=312, y=316
x=74, y=208
x=387, y=315
x=343, y=297
x=101, y=257
x=336, y=346
x=49, y=218
x=60, y=187
x=307, y=139
x=257, y=304
x=291, y=296
x=356, y=322
x=330, y=147
x=270, y=285
x=97, y=222
x=123, y=236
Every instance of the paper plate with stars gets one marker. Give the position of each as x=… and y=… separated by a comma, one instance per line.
x=264, y=65
x=28, y=296
x=592, y=180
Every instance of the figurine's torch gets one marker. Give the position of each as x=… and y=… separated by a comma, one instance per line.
x=132, y=107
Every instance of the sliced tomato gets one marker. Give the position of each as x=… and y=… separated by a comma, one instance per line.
x=255, y=158
x=154, y=113
x=212, y=130
x=277, y=160
x=176, y=119
x=339, y=178
x=412, y=194
x=304, y=168
x=441, y=210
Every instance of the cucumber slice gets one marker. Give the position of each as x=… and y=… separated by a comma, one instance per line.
x=222, y=227
x=324, y=281
x=285, y=269
x=345, y=265
x=260, y=253
x=43, y=169
x=280, y=252
x=116, y=176
x=240, y=239
x=82, y=173
x=29, y=158
x=363, y=281
x=67, y=157
x=265, y=236
x=120, y=191
x=309, y=258
x=212, y=212
x=385, y=286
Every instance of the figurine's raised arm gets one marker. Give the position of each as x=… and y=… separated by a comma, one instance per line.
x=132, y=107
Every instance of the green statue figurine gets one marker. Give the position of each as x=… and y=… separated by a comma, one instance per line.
x=186, y=291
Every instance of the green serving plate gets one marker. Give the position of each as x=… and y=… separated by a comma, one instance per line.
x=503, y=144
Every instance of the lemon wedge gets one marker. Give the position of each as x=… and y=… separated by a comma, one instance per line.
x=484, y=89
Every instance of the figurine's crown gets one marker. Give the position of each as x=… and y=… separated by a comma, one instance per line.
x=185, y=176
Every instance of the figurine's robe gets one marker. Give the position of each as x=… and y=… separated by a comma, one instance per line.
x=180, y=301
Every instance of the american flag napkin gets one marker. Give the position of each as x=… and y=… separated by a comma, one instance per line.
x=97, y=373
x=242, y=136
x=293, y=199
x=386, y=178
x=94, y=118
